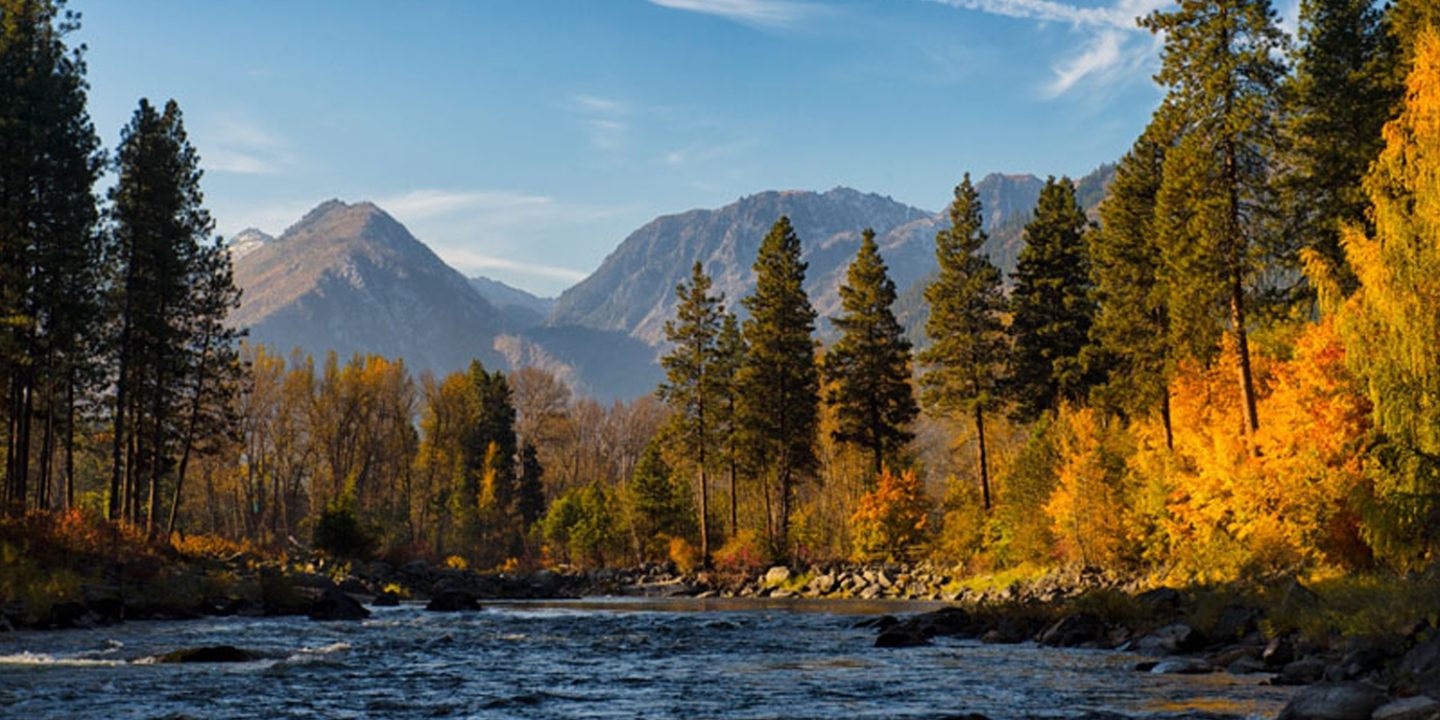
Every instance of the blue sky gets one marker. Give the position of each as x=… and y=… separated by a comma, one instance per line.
x=524, y=139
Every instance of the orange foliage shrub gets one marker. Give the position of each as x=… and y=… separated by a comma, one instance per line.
x=1287, y=496
x=892, y=519
x=743, y=555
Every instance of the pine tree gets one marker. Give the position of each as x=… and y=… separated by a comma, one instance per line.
x=160, y=227
x=212, y=368
x=968, y=345
x=1391, y=325
x=1220, y=66
x=530, y=497
x=1052, y=306
x=691, y=387
x=1131, y=328
x=1343, y=91
x=779, y=383
x=870, y=362
x=730, y=352
x=51, y=255
x=490, y=446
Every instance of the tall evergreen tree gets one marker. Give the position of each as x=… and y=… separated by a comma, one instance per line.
x=968, y=346
x=691, y=387
x=491, y=443
x=730, y=351
x=1221, y=68
x=1131, y=328
x=869, y=364
x=530, y=497
x=160, y=230
x=1052, y=305
x=780, y=383
x=51, y=255
x=1343, y=91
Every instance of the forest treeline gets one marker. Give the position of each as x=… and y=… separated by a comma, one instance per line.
x=1234, y=370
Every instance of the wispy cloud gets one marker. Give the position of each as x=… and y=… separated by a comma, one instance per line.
x=504, y=231
x=702, y=153
x=1114, y=48
x=770, y=13
x=604, y=120
x=471, y=261
x=242, y=146
x=421, y=204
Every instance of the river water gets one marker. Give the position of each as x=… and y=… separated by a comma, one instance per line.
x=590, y=659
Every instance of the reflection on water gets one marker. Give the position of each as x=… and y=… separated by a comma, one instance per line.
x=629, y=658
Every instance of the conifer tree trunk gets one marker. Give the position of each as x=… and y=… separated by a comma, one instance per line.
x=70, y=441
x=984, y=459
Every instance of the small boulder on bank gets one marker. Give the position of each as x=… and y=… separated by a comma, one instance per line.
x=208, y=654
x=453, y=601
x=335, y=604
x=386, y=598
x=1170, y=640
x=1339, y=701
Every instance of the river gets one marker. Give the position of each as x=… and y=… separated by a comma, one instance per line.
x=590, y=659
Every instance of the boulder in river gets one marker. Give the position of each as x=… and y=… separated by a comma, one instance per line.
x=208, y=654
x=334, y=604
x=386, y=598
x=1074, y=630
x=1338, y=701
x=1170, y=640
x=453, y=601
x=902, y=635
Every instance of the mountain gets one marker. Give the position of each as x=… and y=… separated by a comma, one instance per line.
x=520, y=308
x=349, y=278
x=247, y=241
x=633, y=290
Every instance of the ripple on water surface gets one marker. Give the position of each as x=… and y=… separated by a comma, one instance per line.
x=594, y=659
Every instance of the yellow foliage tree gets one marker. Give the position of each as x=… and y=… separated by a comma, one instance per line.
x=1089, y=507
x=1391, y=323
x=892, y=519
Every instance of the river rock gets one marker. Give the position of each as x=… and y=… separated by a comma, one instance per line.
x=1278, y=652
x=1304, y=671
x=208, y=654
x=1182, y=666
x=1162, y=599
x=1419, y=707
x=386, y=598
x=1170, y=640
x=1235, y=622
x=901, y=636
x=335, y=604
x=1419, y=669
x=1074, y=630
x=945, y=622
x=777, y=575
x=1339, y=701
x=822, y=584
x=452, y=601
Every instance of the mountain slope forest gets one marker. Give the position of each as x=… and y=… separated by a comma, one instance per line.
x=1225, y=370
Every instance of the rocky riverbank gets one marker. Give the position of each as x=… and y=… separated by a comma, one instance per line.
x=1389, y=676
